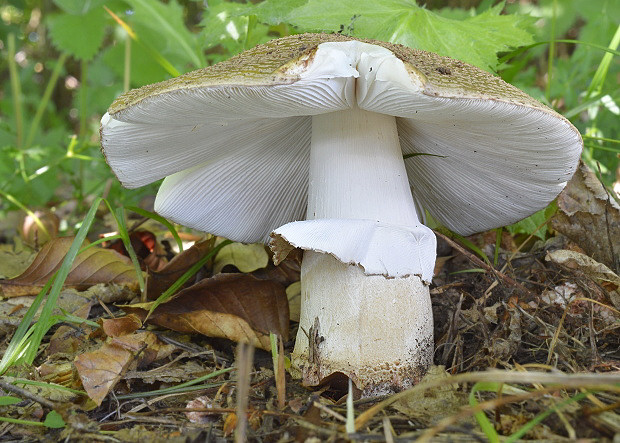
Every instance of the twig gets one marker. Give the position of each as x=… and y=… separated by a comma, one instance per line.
x=245, y=356
x=26, y=394
x=472, y=257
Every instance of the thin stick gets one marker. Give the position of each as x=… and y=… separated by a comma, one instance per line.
x=26, y=394
x=507, y=280
x=245, y=356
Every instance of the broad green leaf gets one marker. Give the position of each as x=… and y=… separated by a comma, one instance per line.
x=8, y=400
x=274, y=12
x=79, y=35
x=475, y=39
x=165, y=26
x=532, y=224
x=54, y=420
x=227, y=24
x=78, y=7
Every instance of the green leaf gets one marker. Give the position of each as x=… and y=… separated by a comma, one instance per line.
x=233, y=26
x=79, y=35
x=78, y=7
x=8, y=400
x=162, y=25
x=54, y=420
x=476, y=39
x=274, y=12
x=535, y=224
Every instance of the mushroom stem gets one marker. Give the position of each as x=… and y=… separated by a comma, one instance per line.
x=357, y=169
x=376, y=330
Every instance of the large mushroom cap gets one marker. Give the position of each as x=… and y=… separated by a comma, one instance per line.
x=233, y=139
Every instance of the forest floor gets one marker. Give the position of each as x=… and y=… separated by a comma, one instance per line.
x=527, y=342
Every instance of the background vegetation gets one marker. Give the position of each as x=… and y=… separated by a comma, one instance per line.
x=64, y=61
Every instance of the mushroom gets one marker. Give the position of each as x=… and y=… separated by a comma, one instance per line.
x=304, y=138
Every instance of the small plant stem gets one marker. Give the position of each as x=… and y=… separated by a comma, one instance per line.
x=82, y=98
x=127, y=64
x=124, y=233
x=36, y=120
x=16, y=91
x=498, y=243
x=551, y=51
x=21, y=422
x=24, y=208
x=603, y=139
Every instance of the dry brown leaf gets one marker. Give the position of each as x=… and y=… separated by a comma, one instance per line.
x=286, y=273
x=590, y=217
x=14, y=259
x=100, y=370
x=68, y=339
x=61, y=373
x=115, y=327
x=159, y=281
x=293, y=293
x=238, y=307
x=575, y=260
x=145, y=345
x=177, y=373
x=95, y=265
x=230, y=423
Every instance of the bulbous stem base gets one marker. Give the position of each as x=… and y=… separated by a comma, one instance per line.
x=378, y=331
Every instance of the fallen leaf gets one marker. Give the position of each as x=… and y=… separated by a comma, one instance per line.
x=244, y=257
x=575, y=260
x=13, y=309
x=61, y=373
x=145, y=345
x=94, y=265
x=238, y=307
x=14, y=259
x=159, y=281
x=288, y=271
x=590, y=267
x=116, y=327
x=67, y=339
x=590, y=217
x=100, y=370
x=230, y=423
x=178, y=373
